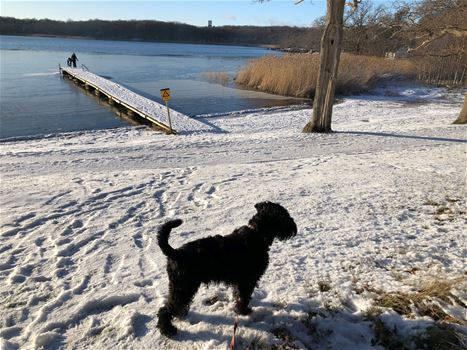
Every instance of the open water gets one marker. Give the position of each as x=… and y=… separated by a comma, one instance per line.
x=34, y=100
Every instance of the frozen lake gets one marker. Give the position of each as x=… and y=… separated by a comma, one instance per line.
x=36, y=101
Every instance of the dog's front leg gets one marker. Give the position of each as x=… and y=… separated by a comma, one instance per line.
x=242, y=295
x=164, y=322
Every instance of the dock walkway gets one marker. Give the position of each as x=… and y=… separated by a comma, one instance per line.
x=142, y=106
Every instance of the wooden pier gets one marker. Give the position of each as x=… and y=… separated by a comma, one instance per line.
x=135, y=104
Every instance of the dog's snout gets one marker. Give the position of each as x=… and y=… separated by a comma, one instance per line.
x=294, y=225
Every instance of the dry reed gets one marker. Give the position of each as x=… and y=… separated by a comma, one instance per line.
x=217, y=77
x=443, y=71
x=296, y=75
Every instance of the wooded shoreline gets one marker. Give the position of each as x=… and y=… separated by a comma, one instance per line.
x=157, y=31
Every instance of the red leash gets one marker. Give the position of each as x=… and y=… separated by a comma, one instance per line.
x=232, y=342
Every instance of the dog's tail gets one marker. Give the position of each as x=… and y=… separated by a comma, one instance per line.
x=163, y=238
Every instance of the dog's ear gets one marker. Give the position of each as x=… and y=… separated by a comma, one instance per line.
x=261, y=206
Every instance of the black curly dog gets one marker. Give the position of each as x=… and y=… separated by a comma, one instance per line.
x=239, y=260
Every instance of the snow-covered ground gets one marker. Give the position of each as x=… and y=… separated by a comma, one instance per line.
x=380, y=206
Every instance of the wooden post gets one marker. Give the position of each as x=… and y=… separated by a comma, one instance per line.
x=165, y=94
x=168, y=114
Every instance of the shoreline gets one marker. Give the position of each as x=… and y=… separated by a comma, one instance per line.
x=386, y=94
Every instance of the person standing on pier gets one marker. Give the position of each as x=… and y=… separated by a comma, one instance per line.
x=74, y=59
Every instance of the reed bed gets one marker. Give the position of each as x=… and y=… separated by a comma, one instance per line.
x=443, y=71
x=296, y=74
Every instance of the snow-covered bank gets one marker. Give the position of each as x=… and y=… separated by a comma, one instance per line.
x=380, y=207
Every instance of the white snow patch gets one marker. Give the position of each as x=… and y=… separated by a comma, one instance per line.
x=45, y=339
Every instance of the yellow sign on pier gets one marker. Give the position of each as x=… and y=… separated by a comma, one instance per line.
x=165, y=93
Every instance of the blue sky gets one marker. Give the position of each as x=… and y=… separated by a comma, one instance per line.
x=221, y=12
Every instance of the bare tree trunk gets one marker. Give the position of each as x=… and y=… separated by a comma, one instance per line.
x=329, y=65
x=462, y=119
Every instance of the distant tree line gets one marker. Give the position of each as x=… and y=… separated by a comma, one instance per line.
x=146, y=30
x=434, y=32
x=421, y=27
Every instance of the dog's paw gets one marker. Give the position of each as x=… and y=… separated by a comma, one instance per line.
x=169, y=331
x=243, y=310
x=183, y=312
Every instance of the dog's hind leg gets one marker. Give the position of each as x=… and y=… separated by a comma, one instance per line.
x=178, y=304
x=167, y=312
x=242, y=294
x=183, y=298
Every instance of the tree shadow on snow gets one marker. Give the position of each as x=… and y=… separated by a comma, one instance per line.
x=384, y=134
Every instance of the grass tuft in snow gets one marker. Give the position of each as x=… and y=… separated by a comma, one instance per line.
x=438, y=336
x=385, y=336
x=446, y=210
x=442, y=337
x=441, y=290
x=324, y=286
x=443, y=210
x=257, y=343
x=372, y=313
x=399, y=302
x=286, y=337
x=424, y=301
x=431, y=202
